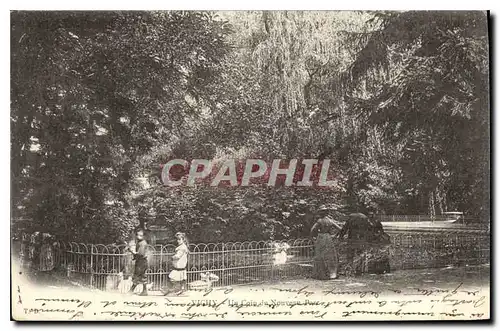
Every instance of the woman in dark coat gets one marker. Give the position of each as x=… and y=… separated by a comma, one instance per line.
x=357, y=229
x=366, y=241
x=325, y=254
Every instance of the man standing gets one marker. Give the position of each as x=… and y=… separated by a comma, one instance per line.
x=141, y=263
x=325, y=254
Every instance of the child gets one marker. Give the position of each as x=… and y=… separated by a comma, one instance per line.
x=141, y=263
x=178, y=276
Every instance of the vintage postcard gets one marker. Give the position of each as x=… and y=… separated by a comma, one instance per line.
x=250, y=165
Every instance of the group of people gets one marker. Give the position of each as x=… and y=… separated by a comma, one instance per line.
x=361, y=233
x=359, y=230
x=177, y=277
x=364, y=234
x=37, y=251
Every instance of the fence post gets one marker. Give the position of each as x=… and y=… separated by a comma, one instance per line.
x=91, y=265
x=223, y=263
x=271, y=253
x=161, y=259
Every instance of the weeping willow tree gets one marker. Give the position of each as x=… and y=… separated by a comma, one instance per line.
x=296, y=54
x=422, y=81
x=286, y=69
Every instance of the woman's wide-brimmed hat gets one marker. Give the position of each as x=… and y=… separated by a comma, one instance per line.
x=357, y=216
x=179, y=234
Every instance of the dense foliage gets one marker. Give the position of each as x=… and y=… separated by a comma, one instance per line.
x=398, y=101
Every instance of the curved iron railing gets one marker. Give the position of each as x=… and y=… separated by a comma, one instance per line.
x=109, y=267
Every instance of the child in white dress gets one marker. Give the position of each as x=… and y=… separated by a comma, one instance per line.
x=178, y=276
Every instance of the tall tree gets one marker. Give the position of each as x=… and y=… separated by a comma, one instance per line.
x=91, y=94
x=422, y=79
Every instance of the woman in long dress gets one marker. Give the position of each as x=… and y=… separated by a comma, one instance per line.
x=326, y=260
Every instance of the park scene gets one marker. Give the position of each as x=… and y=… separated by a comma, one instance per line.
x=172, y=154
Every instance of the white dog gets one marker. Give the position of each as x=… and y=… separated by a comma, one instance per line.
x=207, y=278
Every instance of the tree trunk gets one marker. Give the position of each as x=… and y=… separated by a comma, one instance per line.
x=432, y=209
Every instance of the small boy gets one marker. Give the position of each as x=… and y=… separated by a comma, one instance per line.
x=141, y=263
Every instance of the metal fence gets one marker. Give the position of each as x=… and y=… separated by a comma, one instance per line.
x=433, y=249
x=108, y=267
